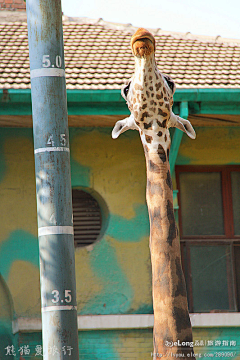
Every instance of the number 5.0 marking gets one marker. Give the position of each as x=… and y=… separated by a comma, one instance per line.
x=46, y=63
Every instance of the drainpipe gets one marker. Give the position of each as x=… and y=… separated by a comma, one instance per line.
x=53, y=182
x=177, y=137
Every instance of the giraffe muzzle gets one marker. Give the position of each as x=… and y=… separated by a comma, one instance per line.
x=142, y=43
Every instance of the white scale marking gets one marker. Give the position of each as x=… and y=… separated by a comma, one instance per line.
x=59, y=308
x=47, y=72
x=55, y=230
x=49, y=149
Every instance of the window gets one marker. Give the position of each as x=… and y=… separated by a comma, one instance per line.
x=209, y=222
x=87, y=218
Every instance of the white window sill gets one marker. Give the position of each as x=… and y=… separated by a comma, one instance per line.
x=139, y=321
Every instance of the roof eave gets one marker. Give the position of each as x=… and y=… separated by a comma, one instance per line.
x=110, y=102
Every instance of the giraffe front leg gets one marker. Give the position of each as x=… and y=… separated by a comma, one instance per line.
x=124, y=125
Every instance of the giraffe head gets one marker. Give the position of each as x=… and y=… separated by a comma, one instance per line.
x=149, y=96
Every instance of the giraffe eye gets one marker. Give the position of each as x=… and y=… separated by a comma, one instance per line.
x=125, y=90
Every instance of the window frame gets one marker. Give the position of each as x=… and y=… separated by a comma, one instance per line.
x=229, y=238
x=225, y=171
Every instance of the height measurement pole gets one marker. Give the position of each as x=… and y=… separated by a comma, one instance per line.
x=53, y=182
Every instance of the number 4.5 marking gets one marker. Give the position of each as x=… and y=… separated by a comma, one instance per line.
x=50, y=140
x=63, y=139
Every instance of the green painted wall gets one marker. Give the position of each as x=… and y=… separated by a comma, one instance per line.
x=137, y=344
x=114, y=275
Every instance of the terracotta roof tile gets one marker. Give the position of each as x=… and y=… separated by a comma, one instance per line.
x=98, y=56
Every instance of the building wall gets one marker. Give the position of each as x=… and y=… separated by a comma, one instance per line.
x=114, y=275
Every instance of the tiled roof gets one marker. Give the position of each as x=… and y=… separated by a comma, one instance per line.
x=98, y=56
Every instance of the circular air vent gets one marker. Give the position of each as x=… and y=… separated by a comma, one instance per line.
x=86, y=218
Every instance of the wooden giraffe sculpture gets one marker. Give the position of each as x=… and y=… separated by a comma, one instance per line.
x=149, y=96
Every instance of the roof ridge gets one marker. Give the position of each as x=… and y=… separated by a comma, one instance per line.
x=20, y=16
x=155, y=31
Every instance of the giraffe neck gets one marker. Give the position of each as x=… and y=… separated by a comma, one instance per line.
x=171, y=317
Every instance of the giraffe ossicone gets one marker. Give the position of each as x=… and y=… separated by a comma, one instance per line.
x=149, y=96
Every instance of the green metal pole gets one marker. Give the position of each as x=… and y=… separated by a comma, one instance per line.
x=177, y=137
x=53, y=182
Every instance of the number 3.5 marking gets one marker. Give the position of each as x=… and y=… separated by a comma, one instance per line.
x=68, y=296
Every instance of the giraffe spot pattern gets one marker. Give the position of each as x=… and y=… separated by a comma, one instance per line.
x=135, y=114
x=181, y=287
x=148, y=139
x=159, y=97
x=159, y=133
x=161, y=153
x=152, y=102
x=156, y=213
x=158, y=86
x=155, y=218
x=181, y=318
x=172, y=233
x=162, y=113
x=154, y=188
x=165, y=137
x=148, y=126
x=153, y=109
x=153, y=167
x=168, y=152
x=150, y=88
x=144, y=106
x=147, y=93
x=164, y=123
x=164, y=284
x=169, y=180
x=144, y=115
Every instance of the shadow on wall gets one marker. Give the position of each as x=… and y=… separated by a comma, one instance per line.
x=6, y=316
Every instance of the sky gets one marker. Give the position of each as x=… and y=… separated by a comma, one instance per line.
x=200, y=17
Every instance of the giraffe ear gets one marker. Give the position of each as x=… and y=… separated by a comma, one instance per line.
x=124, y=125
x=182, y=124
